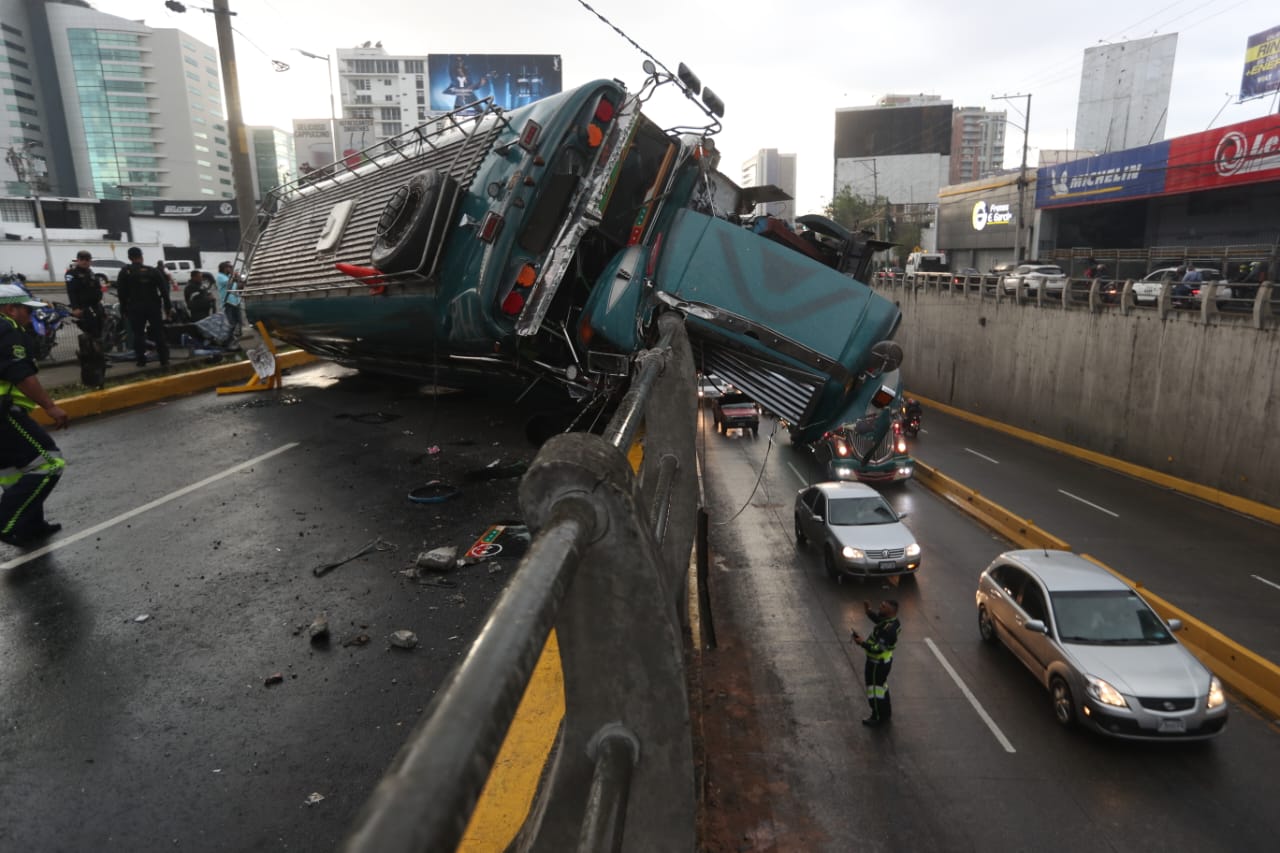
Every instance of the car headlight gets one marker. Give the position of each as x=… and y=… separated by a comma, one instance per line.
x=913, y=550
x=1216, y=696
x=1105, y=693
x=851, y=553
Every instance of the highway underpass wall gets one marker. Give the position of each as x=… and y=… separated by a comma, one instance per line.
x=1193, y=400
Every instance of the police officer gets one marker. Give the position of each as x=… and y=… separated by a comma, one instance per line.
x=879, y=648
x=30, y=464
x=85, y=295
x=144, y=293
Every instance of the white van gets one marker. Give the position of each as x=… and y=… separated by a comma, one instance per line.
x=926, y=262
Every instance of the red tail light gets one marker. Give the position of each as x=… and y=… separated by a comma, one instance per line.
x=490, y=227
x=513, y=304
x=604, y=111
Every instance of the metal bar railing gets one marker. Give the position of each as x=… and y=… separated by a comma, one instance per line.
x=605, y=569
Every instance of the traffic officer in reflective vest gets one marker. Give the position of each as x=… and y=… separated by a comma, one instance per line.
x=879, y=648
x=30, y=464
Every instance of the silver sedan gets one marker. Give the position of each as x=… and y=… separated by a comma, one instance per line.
x=859, y=533
x=1109, y=662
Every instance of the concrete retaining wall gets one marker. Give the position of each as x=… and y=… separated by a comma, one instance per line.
x=1193, y=400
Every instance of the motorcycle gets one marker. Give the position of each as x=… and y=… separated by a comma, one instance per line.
x=909, y=415
x=46, y=322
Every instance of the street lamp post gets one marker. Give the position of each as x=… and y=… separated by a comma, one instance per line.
x=1022, y=177
x=333, y=114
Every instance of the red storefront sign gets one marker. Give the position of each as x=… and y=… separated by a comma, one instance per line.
x=1244, y=153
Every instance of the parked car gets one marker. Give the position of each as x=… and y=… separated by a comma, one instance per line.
x=107, y=269
x=1034, y=275
x=1109, y=662
x=735, y=410
x=859, y=533
x=965, y=275
x=1147, y=291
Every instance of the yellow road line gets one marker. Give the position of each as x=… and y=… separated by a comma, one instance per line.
x=1168, y=481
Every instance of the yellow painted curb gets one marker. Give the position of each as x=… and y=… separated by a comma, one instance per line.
x=1257, y=509
x=1244, y=671
x=164, y=387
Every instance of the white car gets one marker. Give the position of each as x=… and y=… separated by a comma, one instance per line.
x=1147, y=291
x=1034, y=275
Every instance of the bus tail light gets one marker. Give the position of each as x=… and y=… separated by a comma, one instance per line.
x=490, y=226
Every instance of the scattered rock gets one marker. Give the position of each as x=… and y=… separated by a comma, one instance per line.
x=403, y=639
x=142, y=617
x=438, y=559
x=314, y=797
x=274, y=679
x=318, y=631
x=357, y=640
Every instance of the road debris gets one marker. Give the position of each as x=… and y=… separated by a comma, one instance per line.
x=440, y=559
x=142, y=617
x=403, y=639
x=314, y=797
x=375, y=545
x=318, y=631
x=274, y=679
x=434, y=492
x=357, y=640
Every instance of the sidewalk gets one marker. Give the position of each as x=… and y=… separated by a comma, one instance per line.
x=63, y=373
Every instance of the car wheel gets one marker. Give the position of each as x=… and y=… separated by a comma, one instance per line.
x=829, y=560
x=800, y=540
x=986, y=627
x=1064, y=707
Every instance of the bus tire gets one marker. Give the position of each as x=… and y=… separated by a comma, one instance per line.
x=408, y=222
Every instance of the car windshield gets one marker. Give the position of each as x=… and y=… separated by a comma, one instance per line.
x=850, y=511
x=1108, y=618
x=1047, y=270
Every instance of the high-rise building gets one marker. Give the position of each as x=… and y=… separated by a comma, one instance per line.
x=390, y=91
x=769, y=167
x=115, y=108
x=977, y=143
x=271, y=157
x=1124, y=94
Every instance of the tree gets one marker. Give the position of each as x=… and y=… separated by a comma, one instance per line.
x=855, y=212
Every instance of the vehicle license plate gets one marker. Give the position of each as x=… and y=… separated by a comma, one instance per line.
x=1173, y=725
x=888, y=564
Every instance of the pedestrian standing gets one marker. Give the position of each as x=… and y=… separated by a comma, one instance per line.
x=229, y=295
x=144, y=299
x=30, y=464
x=879, y=648
x=1192, y=275
x=84, y=294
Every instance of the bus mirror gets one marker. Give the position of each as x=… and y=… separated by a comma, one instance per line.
x=689, y=79
x=713, y=102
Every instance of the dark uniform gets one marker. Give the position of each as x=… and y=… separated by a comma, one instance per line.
x=30, y=464
x=84, y=293
x=879, y=648
x=144, y=299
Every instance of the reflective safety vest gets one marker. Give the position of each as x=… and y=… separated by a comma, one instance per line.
x=8, y=390
x=883, y=640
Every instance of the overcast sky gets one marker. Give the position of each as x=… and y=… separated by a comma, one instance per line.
x=781, y=68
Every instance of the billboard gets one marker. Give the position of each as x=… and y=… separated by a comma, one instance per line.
x=887, y=131
x=1244, y=153
x=980, y=216
x=457, y=80
x=1261, y=64
x=312, y=144
x=1108, y=177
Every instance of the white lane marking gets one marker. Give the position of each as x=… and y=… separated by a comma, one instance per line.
x=1264, y=580
x=982, y=456
x=802, y=480
x=125, y=516
x=1089, y=503
x=973, y=700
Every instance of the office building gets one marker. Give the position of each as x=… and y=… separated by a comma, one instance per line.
x=899, y=152
x=271, y=158
x=768, y=167
x=977, y=143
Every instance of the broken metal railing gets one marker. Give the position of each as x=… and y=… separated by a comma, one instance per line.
x=606, y=569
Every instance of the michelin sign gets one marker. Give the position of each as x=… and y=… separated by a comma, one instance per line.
x=1133, y=173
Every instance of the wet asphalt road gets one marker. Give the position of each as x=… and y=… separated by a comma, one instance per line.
x=791, y=768
x=134, y=709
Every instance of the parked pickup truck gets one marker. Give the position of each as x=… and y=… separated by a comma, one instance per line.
x=537, y=247
x=736, y=411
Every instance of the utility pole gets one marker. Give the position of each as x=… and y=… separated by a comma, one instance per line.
x=20, y=160
x=333, y=113
x=1022, y=246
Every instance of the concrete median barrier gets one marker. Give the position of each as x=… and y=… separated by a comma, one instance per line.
x=164, y=387
x=1242, y=670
